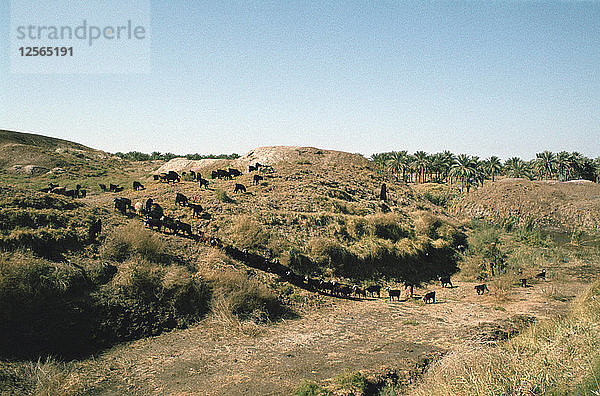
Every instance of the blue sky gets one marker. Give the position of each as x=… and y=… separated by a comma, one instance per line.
x=483, y=78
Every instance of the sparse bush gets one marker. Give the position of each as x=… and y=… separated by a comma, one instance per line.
x=41, y=377
x=340, y=194
x=245, y=298
x=352, y=380
x=299, y=262
x=222, y=196
x=247, y=233
x=133, y=240
x=309, y=388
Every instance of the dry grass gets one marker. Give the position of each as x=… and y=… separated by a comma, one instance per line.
x=46, y=377
x=558, y=356
x=132, y=240
x=237, y=296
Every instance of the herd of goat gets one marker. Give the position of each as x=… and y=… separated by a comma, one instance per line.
x=155, y=218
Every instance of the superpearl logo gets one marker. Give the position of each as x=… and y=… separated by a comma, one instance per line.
x=63, y=37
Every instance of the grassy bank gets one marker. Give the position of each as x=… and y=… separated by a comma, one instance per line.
x=557, y=357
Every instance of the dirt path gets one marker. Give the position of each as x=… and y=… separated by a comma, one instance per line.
x=367, y=334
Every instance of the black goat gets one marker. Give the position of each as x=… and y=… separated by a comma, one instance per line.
x=445, y=281
x=429, y=298
x=138, y=186
x=481, y=288
x=239, y=188
x=393, y=293
x=257, y=179
x=181, y=199
x=373, y=289
x=196, y=209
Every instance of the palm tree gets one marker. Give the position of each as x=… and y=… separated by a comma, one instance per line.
x=464, y=170
x=421, y=165
x=516, y=167
x=493, y=166
x=545, y=164
x=596, y=164
x=380, y=158
x=563, y=165
x=398, y=162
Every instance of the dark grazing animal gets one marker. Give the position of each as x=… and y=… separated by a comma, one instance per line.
x=541, y=275
x=113, y=187
x=359, y=292
x=345, y=290
x=445, y=281
x=181, y=199
x=374, y=289
x=251, y=168
x=72, y=193
x=312, y=283
x=257, y=179
x=138, y=186
x=393, y=293
x=220, y=174
x=327, y=286
x=122, y=204
x=239, y=188
x=523, y=282
x=196, y=209
x=50, y=187
x=153, y=223
x=156, y=211
x=95, y=229
x=102, y=187
x=148, y=205
x=172, y=176
x=481, y=288
x=203, y=182
x=82, y=193
x=184, y=228
x=429, y=298
x=234, y=172
x=170, y=223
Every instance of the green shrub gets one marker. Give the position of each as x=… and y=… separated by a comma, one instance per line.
x=222, y=196
x=353, y=380
x=309, y=388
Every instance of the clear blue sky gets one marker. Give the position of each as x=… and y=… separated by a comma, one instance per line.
x=484, y=78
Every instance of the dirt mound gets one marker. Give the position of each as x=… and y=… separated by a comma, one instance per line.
x=270, y=155
x=549, y=204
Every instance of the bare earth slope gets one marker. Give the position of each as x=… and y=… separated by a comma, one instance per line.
x=563, y=205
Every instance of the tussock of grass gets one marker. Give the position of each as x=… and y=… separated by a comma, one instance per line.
x=247, y=233
x=559, y=356
x=41, y=377
x=132, y=240
x=247, y=299
x=222, y=196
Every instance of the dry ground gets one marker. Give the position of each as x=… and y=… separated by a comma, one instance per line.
x=213, y=358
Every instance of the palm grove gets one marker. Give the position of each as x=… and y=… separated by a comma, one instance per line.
x=470, y=171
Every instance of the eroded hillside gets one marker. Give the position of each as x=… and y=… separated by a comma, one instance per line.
x=573, y=205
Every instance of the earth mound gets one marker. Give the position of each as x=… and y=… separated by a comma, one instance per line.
x=566, y=206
